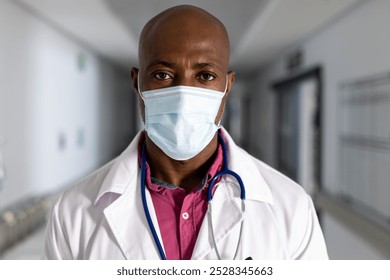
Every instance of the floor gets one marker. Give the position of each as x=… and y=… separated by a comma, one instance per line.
x=30, y=248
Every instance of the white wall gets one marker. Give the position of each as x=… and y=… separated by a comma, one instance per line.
x=45, y=96
x=353, y=46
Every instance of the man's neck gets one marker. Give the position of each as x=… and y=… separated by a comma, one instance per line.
x=185, y=174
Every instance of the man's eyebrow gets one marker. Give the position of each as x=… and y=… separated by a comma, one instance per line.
x=169, y=64
x=207, y=64
x=163, y=63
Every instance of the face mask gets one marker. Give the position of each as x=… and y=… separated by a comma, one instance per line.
x=180, y=119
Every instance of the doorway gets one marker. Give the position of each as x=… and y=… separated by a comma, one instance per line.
x=298, y=130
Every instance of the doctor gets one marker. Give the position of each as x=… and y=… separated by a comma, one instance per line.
x=183, y=189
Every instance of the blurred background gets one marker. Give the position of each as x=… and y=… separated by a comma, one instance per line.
x=312, y=99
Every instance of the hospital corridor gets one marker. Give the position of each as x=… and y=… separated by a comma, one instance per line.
x=311, y=98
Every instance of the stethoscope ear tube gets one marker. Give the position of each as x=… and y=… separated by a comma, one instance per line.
x=210, y=219
x=225, y=171
x=145, y=205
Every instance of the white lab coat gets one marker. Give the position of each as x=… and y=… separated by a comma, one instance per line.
x=102, y=216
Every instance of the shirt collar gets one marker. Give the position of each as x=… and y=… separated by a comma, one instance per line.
x=159, y=186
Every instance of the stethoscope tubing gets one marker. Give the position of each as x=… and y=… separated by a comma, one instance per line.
x=145, y=205
x=225, y=171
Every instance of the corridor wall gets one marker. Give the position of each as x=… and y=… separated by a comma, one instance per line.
x=64, y=111
x=351, y=47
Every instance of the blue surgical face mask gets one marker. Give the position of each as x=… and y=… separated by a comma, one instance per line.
x=180, y=120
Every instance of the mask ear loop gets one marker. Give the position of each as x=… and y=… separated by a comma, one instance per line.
x=226, y=85
x=224, y=92
x=139, y=91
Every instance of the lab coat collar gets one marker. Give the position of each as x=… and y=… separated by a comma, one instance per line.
x=122, y=171
x=126, y=166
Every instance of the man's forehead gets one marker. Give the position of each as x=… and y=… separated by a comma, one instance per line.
x=183, y=14
x=184, y=27
x=196, y=55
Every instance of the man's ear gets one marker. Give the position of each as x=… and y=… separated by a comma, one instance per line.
x=134, y=76
x=231, y=75
x=230, y=80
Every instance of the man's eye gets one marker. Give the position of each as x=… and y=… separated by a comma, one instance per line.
x=207, y=77
x=162, y=76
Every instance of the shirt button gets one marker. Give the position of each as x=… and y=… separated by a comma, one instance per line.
x=185, y=215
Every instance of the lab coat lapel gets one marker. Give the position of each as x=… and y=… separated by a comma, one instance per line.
x=226, y=217
x=125, y=215
x=128, y=223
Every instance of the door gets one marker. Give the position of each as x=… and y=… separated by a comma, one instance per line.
x=298, y=129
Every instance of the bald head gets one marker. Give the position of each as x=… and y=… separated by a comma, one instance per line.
x=184, y=23
x=187, y=46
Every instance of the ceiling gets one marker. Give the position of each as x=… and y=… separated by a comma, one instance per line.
x=258, y=29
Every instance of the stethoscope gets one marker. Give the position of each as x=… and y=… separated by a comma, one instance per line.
x=225, y=171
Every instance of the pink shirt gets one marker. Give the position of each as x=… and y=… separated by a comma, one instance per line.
x=180, y=214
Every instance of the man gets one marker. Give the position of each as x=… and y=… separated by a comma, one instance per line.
x=151, y=201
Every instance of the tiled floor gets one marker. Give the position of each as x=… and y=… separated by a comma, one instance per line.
x=30, y=248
